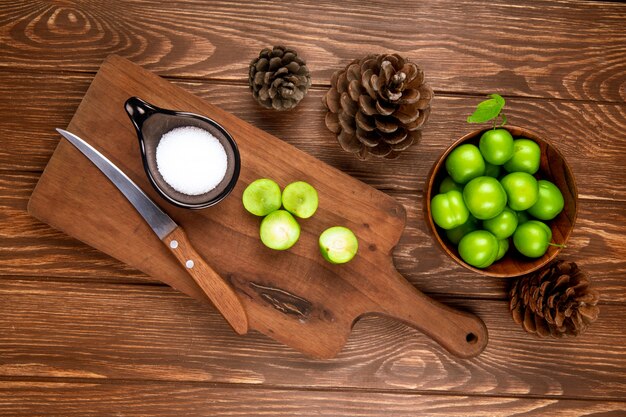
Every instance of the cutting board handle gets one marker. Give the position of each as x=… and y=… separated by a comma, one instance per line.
x=462, y=334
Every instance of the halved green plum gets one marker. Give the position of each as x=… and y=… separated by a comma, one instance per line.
x=338, y=244
x=279, y=230
x=262, y=197
x=300, y=199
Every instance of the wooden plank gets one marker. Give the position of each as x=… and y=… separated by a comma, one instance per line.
x=68, y=330
x=28, y=398
x=534, y=48
x=35, y=249
x=584, y=132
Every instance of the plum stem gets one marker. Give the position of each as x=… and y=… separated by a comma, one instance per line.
x=502, y=120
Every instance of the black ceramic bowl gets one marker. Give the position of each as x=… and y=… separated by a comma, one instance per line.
x=152, y=122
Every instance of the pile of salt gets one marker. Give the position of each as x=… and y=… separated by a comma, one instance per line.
x=191, y=160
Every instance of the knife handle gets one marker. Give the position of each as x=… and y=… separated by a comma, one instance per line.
x=219, y=292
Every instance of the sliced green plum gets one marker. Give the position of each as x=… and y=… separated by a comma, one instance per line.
x=300, y=199
x=279, y=230
x=338, y=244
x=261, y=197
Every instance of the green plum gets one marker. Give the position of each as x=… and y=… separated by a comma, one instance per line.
x=300, y=199
x=492, y=170
x=532, y=239
x=544, y=226
x=496, y=146
x=503, y=247
x=521, y=189
x=449, y=210
x=464, y=163
x=522, y=217
x=484, y=197
x=261, y=197
x=448, y=184
x=338, y=244
x=454, y=235
x=479, y=248
x=526, y=157
x=279, y=230
x=503, y=225
x=549, y=203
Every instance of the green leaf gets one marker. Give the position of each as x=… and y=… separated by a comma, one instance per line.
x=487, y=110
x=498, y=98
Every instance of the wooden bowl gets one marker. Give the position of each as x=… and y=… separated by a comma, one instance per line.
x=553, y=167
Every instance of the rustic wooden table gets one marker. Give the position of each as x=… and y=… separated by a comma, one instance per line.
x=82, y=334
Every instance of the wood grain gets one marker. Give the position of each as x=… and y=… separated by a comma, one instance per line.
x=293, y=296
x=583, y=132
x=35, y=249
x=534, y=48
x=50, y=249
x=69, y=330
x=84, y=399
x=75, y=321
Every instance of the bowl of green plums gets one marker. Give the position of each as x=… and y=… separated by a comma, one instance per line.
x=501, y=202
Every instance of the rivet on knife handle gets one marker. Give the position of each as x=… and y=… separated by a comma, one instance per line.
x=218, y=291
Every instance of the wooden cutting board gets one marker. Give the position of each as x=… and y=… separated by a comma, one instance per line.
x=293, y=296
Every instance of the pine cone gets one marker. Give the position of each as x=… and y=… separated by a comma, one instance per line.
x=555, y=301
x=377, y=104
x=278, y=78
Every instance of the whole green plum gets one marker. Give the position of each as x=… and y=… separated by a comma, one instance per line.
x=503, y=225
x=526, y=157
x=479, y=248
x=549, y=203
x=521, y=189
x=496, y=146
x=464, y=163
x=532, y=238
x=484, y=197
x=455, y=235
x=449, y=210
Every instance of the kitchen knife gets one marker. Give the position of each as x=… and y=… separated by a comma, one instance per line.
x=172, y=235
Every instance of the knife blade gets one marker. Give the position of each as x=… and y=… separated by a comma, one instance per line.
x=172, y=235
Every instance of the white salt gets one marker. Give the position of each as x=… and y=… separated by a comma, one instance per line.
x=191, y=160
